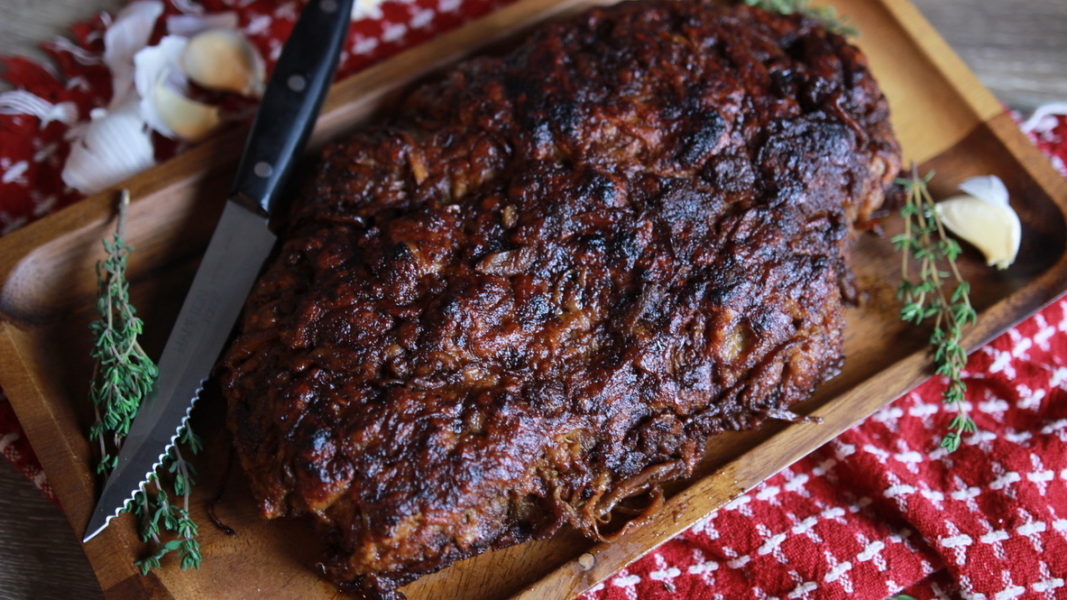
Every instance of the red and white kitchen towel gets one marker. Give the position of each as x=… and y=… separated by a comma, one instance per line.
x=876, y=512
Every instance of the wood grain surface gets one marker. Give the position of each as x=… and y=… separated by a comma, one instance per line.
x=1018, y=50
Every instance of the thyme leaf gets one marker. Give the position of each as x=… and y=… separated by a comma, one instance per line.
x=826, y=14
x=924, y=242
x=123, y=375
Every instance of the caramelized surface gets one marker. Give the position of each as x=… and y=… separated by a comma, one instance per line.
x=550, y=276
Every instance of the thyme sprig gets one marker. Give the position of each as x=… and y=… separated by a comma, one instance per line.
x=924, y=241
x=123, y=375
x=826, y=14
x=154, y=509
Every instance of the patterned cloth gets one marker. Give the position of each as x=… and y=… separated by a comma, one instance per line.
x=876, y=512
x=878, y=509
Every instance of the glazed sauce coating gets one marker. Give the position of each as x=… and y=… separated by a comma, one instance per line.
x=544, y=281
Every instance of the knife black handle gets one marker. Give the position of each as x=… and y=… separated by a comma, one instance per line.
x=291, y=102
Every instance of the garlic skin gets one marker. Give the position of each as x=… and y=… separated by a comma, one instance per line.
x=188, y=25
x=21, y=102
x=161, y=85
x=111, y=147
x=149, y=91
x=983, y=217
x=224, y=60
x=155, y=66
x=116, y=143
x=124, y=38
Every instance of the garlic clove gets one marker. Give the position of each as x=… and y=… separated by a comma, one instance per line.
x=985, y=219
x=153, y=66
x=188, y=119
x=222, y=59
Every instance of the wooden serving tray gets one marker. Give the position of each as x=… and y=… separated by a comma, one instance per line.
x=945, y=120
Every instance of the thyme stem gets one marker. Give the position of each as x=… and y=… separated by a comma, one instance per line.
x=924, y=240
x=123, y=375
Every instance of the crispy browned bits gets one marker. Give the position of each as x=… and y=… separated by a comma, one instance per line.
x=540, y=285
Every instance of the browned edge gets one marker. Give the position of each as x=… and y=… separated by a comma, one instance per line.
x=59, y=443
x=62, y=450
x=349, y=97
x=714, y=491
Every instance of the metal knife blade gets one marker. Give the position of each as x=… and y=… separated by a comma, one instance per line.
x=239, y=246
x=236, y=252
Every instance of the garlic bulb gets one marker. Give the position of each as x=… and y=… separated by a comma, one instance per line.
x=983, y=217
x=223, y=59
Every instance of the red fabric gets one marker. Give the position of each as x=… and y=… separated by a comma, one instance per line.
x=880, y=508
x=876, y=512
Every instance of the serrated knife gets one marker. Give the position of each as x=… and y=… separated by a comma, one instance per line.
x=236, y=252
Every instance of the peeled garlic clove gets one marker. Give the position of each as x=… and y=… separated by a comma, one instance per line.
x=221, y=59
x=154, y=66
x=188, y=119
x=985, y=220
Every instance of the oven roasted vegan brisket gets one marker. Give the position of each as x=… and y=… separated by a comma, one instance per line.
x=542, y=282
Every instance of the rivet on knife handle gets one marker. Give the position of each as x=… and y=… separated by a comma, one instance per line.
x=286, y=116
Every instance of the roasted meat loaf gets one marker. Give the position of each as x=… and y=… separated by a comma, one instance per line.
x=545, y=280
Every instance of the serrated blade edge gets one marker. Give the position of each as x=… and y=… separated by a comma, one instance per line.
x=104, y=518
x=234, y=255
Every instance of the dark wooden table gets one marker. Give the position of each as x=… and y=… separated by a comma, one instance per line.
x=1018, y=49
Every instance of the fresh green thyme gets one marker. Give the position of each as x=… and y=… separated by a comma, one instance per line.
x=826, y=14
x=123, y=375
x=924, y=241
x=156, y=511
